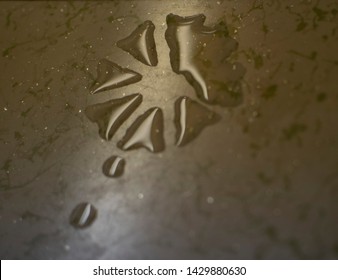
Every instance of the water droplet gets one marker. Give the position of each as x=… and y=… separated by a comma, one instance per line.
x=113, y=167
x=83, y=215
x=146, y=131
x=110, y=115
x=140, y=196
x=200, y=53
x=210, y=200
x=190, y=119
x=110, y=75
x=141, y=44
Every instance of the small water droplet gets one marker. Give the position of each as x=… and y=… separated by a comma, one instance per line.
x=110, y=75
x=146, y=132
x=210, y=200
x=190, y=119
x=110, y=115
x=113, y=167
x=200, y=53
x=141, y=44
x=83, y=215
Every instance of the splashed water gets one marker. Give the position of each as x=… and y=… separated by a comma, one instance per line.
x=190, y=119
x=141, y=44
x=146, y=132
x=200, y=53
x=110, y=115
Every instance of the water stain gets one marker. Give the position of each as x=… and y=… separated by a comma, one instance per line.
x=141, y=44
x=113, y=167
x=110, y=115
x=146, y=132
x=200, y=53
x=110, y=75
x=190, y=119
x=83, y=215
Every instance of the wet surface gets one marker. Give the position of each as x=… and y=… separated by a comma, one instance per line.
x=190, y=119
x=110, y=76
x=240, y=108
x=200, y=53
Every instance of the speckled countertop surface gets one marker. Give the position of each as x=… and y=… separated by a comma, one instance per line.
x=260, y=183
